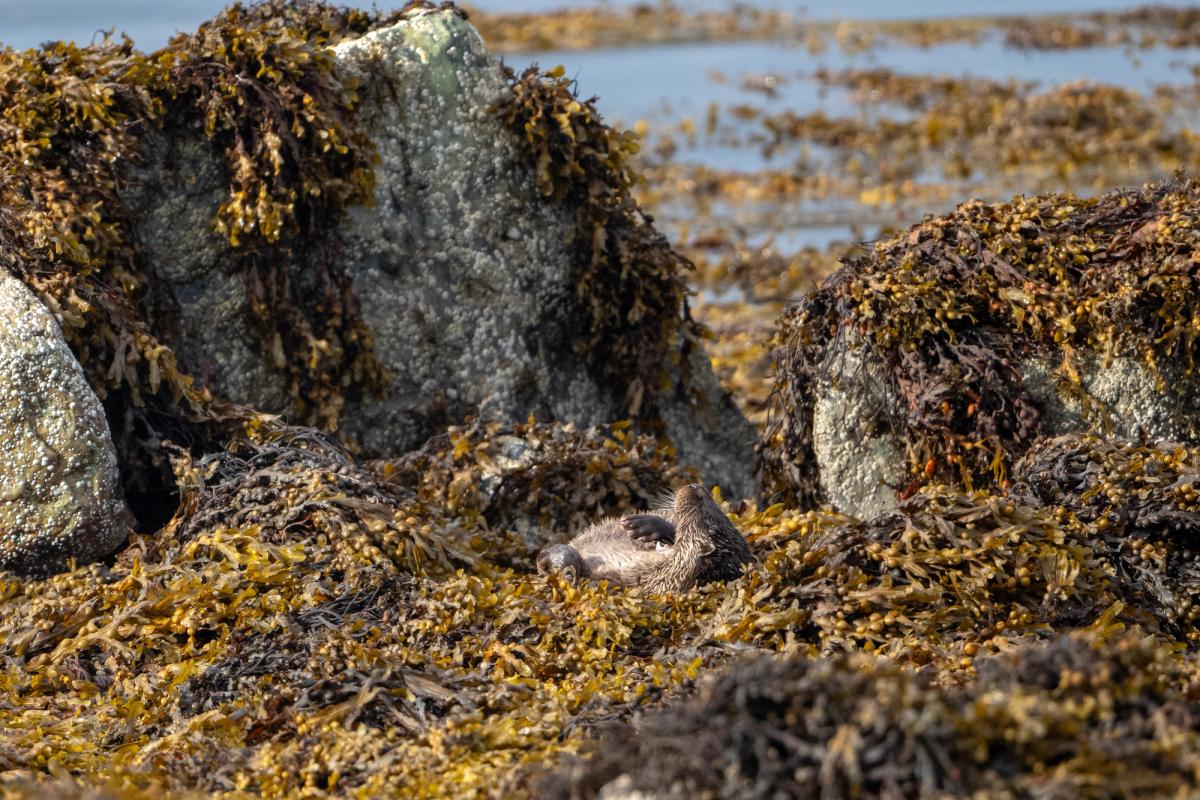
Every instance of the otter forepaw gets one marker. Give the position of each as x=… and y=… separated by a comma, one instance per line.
x=649, y=528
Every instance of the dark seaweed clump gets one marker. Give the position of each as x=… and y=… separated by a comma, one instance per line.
x=948, y=308
x=1138, y=502
x=538, y=476
x=1099, y=713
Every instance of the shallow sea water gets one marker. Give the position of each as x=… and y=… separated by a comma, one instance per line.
x=27, y=23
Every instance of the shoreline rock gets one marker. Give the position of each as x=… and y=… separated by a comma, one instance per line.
x=60, y=492
x=462, y=271
x=944, y=353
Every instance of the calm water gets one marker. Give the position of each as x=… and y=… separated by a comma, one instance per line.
x=26, y=23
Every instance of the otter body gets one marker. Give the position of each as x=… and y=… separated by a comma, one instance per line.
x=689, y=544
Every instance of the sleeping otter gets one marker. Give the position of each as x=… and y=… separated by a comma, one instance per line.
x=689, y=544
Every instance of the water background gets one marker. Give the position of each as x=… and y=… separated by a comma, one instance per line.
x=27, y=23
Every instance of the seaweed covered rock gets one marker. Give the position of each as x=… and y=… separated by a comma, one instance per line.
x=501, y=270
x=60, y=492
x=1095, y=713
x=943, y=353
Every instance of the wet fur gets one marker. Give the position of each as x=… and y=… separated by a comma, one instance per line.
x=707, y=548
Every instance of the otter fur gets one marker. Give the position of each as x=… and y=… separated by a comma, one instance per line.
x=688, y=544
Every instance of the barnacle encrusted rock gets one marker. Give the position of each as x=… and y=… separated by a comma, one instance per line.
x=463, y=271
x=60, y=494
x=944, y=353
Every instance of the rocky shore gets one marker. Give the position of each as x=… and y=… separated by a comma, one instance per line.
x=317, y=325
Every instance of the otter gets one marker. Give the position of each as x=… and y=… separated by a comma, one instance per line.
x=689, y=544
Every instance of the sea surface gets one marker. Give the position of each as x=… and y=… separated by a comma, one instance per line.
x=27, y=23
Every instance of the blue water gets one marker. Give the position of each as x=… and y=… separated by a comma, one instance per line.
x=663, y=84
x=27, y=23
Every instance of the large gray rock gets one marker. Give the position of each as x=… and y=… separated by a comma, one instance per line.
x=862, y=462
x=463, y=271
x=60, y=494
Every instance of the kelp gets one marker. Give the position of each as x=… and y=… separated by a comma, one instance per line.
x=260, y=82
x=1099, y=713
x=947, y=308
x=70, y=115
x=658, y=23
x=1140, y=503
x=266, y=622
x=666, y=22
x=295, y=482
x=1144, y=27
x=631, y=284
x=1074, y=134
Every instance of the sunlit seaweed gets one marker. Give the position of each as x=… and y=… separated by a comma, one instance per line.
x=294, y=656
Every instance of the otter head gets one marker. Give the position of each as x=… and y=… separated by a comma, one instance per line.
x=695, y=506
x=563, y=559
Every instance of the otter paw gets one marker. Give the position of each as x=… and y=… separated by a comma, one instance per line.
x=649, y=528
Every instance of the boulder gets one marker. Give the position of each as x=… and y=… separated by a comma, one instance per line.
x=944, y=353
x=862, y=460
x=461, y=268
x=60, y=492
